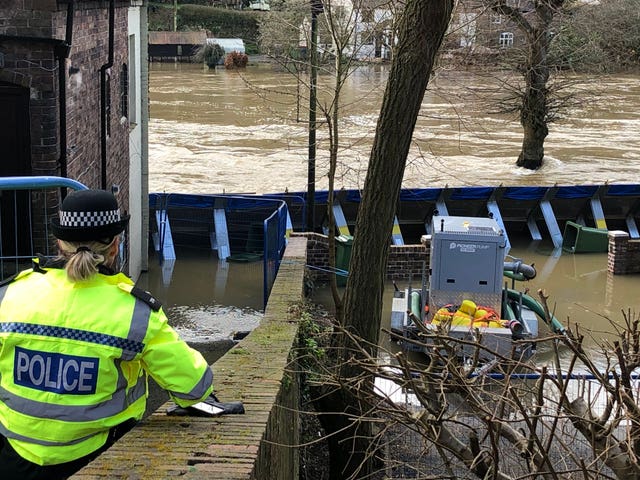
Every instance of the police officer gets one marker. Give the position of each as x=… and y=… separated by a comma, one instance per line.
x=77, y=341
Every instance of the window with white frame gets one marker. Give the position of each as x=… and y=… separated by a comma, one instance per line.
x=506, y=39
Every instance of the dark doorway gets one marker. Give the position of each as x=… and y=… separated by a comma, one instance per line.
x=15, y=161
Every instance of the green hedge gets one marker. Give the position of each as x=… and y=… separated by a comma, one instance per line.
x=222, y=23
x=219, y=22
x=160, y=17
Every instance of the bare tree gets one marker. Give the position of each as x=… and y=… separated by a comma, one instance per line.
x=572, y=416
x=534, y=22
x=420, y=32
x=599, y=37
x=287, y=36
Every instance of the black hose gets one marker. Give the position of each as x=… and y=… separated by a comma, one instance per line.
x=518, y=267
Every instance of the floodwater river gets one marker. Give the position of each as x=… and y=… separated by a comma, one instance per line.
x=215, y=131
x=222, y=131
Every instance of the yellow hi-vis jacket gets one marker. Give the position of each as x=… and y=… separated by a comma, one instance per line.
x=74, y=359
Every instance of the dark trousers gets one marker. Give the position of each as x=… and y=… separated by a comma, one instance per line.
x=14, y=467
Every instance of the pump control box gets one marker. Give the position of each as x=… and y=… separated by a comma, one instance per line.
x=467, y=262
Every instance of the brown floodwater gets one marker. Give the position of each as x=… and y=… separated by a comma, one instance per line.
x=220, y=131
x=215, y=131
x=207, y=300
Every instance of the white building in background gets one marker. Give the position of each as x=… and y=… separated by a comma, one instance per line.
x=374, y=36
x=366, y=26
x=261, y=5
x=228, y=44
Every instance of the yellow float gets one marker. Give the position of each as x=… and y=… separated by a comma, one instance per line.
x=468, y=314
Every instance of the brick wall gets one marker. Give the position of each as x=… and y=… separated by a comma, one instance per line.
x=32, y=32
x=89, y=52
x=32, y=64
x=406, y=262
x=624, y=253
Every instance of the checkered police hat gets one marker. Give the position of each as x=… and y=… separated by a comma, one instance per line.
x=88, y=215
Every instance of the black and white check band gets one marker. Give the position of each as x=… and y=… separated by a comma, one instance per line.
x=89, y=219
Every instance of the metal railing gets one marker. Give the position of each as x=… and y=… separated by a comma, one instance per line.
x=26, y=207
x=275, y=228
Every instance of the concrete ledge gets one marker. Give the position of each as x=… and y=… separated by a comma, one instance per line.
x=257, y=445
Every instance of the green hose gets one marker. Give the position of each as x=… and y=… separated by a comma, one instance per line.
x=518, y=277
x=415, y=303
x=534, y=305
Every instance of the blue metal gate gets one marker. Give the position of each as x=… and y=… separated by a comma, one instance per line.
x=26, y=207
x=275, y=241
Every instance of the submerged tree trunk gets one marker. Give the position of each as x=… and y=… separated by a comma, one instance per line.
x=533, y=116
x=534, y=112
x=420, y=33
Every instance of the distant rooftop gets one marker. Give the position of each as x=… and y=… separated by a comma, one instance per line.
x=177, y=38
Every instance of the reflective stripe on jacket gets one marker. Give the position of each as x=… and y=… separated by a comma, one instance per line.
x=73, y=358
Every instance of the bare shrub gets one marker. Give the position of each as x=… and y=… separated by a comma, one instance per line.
x=236, y=60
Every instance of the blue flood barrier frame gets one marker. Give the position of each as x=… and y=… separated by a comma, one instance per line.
x=275, y=242
x=537, y=200
x=431, y=194
x=274, y=226
x=538, y=203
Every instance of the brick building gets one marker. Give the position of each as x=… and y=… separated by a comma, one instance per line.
x=73, y=96
x=477, y=27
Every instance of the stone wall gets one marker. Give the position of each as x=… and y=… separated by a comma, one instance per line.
x=260, y=371
x=624, y=253
x=406, y=262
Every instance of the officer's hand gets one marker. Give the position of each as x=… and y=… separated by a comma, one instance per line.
x=210, y=407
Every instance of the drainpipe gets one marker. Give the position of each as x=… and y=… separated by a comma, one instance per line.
x=103, y=97
x=62, y=51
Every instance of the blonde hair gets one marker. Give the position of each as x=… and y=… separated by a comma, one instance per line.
x=83, y=258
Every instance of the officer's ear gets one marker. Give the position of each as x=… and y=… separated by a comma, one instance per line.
x=113, y=248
